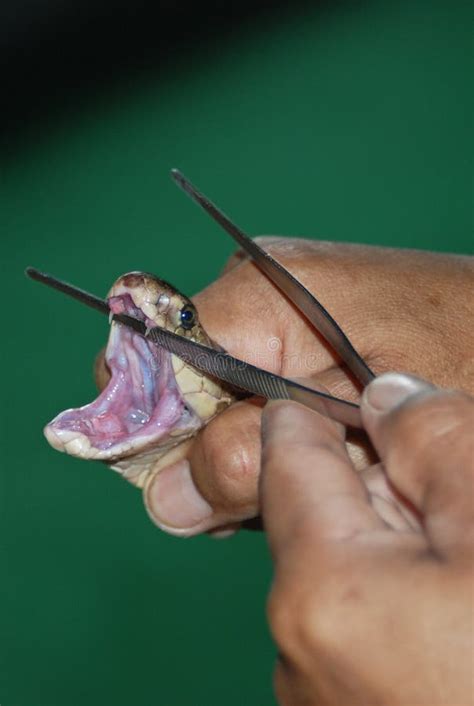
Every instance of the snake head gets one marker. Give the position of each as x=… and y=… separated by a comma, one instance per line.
x=157, y=303
x=153, y=400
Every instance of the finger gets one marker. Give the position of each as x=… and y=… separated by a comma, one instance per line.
x=225, y=531
x=425, y=438
x=310, y=491
x=340, y=383
x=217, y=483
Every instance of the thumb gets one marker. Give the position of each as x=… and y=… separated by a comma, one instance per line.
x=424, y=437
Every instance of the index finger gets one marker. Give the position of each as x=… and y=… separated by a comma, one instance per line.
x=310, y=490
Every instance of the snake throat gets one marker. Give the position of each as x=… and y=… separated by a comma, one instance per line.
x=140, y=407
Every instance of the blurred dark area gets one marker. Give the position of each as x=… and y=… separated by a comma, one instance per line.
x=55, y=56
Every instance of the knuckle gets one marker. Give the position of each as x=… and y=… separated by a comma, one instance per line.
x=303, y=619
x=333, y=618
x=236, y=468
x=312, y=612
x=228, y=467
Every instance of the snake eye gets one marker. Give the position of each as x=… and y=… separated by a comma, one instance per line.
x=187, y=316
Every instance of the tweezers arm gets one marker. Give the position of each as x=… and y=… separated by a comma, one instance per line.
x=348, y=414
x=252, y=379
x=314, y=311
x=216, y=362
x=69, y=289
x=301, y=297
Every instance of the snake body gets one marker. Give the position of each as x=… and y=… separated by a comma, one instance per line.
x=153, y=400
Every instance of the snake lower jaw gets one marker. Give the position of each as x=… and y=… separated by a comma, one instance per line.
x=141, y=409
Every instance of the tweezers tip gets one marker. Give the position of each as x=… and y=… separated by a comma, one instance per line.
x=177, y=175
x=184, y=184
x=31, y=272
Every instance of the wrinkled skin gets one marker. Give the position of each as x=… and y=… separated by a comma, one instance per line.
x=403, y=310
x=152, y=401
x=365, y=609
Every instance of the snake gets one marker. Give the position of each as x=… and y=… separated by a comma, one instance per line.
x=153, y=400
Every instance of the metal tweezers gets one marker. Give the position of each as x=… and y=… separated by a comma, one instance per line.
x=225, y=367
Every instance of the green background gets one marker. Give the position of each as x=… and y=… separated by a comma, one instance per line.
x=347, y=123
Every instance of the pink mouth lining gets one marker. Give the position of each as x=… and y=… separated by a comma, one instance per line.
x=141, y=401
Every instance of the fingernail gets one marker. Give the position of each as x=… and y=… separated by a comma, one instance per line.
x=174, y=503
x=222, y=534
x=389, y=390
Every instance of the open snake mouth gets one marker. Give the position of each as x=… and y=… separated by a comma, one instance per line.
x=141, y=405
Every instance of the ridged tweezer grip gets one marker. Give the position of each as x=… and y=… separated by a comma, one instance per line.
x=252, y=379
x=218, y=363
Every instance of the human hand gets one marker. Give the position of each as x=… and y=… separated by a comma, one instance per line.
x=402, y=310
x=367, y=611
